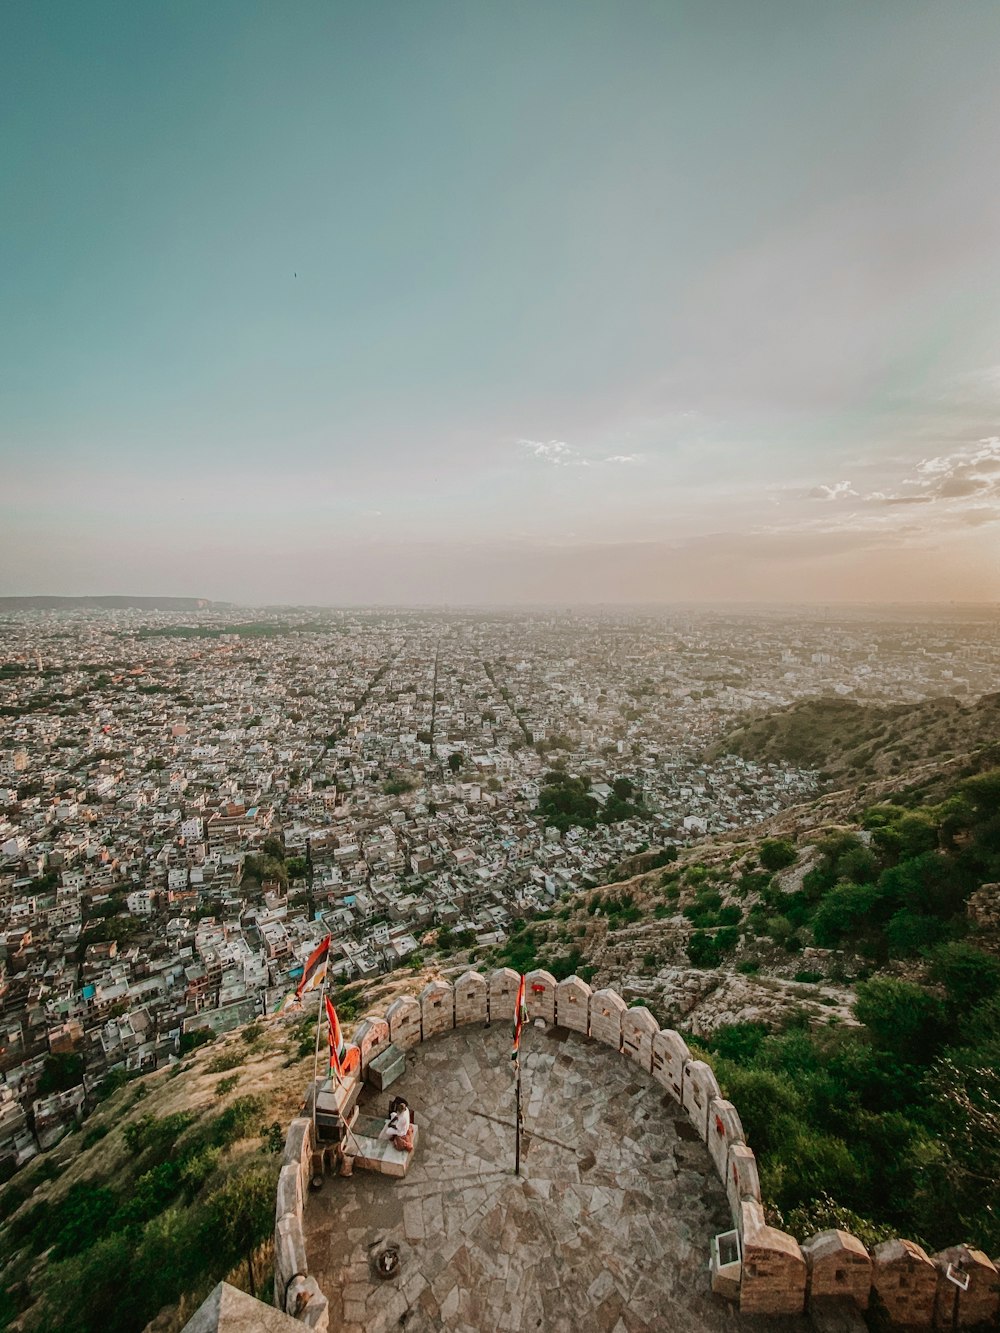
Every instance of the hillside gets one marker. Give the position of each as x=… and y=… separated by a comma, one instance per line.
x=167, y=1187
x=842, y=975
x=849, y=741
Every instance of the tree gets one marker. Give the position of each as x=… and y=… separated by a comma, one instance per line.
x=776, y=853
x=240, y=1217
x=455, y=761
x=903, y=1018
x=60, y=1072
x=968, y=975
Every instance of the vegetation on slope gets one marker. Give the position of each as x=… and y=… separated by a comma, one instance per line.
x=168, y=1188
x=849, y=740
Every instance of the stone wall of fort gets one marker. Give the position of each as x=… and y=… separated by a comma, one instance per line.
x=764, y=1270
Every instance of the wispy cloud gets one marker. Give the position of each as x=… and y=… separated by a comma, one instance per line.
x=562, y=454
x=840, y=490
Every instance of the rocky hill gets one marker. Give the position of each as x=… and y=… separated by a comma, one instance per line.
x=850, y=741
x=839, y=967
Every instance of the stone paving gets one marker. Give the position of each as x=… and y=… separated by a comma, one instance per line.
x=607, y=1229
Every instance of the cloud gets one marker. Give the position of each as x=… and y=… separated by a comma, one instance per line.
x=557, y=452
x=840, y=490
x=622, y=458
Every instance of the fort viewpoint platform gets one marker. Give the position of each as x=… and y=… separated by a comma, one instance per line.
x=608, y=1228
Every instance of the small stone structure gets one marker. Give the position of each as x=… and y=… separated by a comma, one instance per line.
x=606, y=1010
x=573, y=1005
x=838, y=1266
x=404, y=1022
x=764, y=1268
x=906, y=1282
x=472, y=999
x=540, y=995
x=437, y=1008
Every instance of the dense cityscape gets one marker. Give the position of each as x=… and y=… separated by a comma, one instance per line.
x=188, y=803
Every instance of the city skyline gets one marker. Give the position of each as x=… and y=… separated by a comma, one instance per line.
x=567, y=305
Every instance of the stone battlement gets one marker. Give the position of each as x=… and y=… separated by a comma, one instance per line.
x=766, y=1270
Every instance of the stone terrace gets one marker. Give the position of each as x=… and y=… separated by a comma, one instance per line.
x=608, y=1227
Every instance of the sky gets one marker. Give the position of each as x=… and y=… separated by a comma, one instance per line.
x=451, y=303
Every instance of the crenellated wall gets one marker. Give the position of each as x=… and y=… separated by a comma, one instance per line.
x=765, y=1269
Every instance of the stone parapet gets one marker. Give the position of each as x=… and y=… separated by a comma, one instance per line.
x=371, y=1037
x=472, y=998
x=540, y=995
x=769, y=1271
x=905, y=1280
x=504, y=983
x=606, y=1010
x=724, y=1129
x=573, y=1005
x=699, y=1090
x=773, y=1279
x=437, y=1009
x=639, y=1027
x=670, y=1055
x=958, y=1306
x=839, y=1266
x=404, y=1022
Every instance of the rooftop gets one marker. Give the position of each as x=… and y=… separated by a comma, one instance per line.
x=607, y=1228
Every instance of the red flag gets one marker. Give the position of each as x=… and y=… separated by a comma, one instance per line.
x=337, y=1046
x=315, y=968
x=519, y=1017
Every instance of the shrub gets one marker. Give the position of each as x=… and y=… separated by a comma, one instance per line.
x=777, y=853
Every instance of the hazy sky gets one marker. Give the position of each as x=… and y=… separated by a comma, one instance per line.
x=472, y=302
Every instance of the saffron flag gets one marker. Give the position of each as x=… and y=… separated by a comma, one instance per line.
x=338, y=1047
x=519, y=1017
x=314, y=972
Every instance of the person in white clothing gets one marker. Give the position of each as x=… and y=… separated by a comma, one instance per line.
x=399, y=1127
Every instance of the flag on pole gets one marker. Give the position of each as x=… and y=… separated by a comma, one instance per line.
x=520, y=1014
x=338, y=1047
x=314, y=972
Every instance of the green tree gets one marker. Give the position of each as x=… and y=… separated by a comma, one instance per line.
x=903, y=1018
x=776, y=853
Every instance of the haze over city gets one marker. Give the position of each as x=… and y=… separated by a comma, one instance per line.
x=438, y=303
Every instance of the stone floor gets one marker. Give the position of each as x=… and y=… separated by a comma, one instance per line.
x=606, y=1231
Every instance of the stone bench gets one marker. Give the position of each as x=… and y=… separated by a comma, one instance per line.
x=375, y=1153
x=387, y=1066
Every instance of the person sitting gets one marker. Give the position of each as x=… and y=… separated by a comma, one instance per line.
x=399, y=1127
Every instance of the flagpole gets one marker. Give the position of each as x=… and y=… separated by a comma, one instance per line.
x=319, y=1021
x=517, y=1127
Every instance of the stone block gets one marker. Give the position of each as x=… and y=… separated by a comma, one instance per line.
x=307, y=1305
x=979, y=1303
x=404, y=1022
x=540, y=995
x=906, y=1282
x=503, y=994
x=387, y=1066
x=700, y=1087
x=670, y=1055
x=773, y=1279
x=573, y=1005
x=472, y=998
x=377, y=1154
x=724, y=1129
x=838, y=1266
x=289, y=1193
x=371, y=1036
x=742, y=1180
x=298, y=1147
x=639, y=1027
x=289, y=1252
x=606, y=1010
x=437, y=1008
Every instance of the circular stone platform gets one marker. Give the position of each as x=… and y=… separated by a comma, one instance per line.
x=606, y=1231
